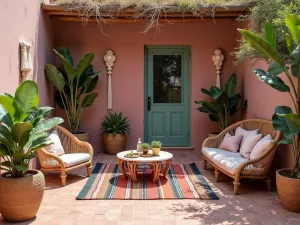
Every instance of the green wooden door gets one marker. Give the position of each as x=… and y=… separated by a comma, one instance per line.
x=167, y=91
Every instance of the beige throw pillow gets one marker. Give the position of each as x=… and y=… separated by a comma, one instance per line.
x=231, y=143
x=249, y=144
x=245, y=133
x=56, y=148
x=261, y=147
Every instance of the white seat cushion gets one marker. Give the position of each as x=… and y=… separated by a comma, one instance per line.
x=75, y=159
x=228, y=161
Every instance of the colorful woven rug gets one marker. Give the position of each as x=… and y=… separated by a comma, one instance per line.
x=184, y=181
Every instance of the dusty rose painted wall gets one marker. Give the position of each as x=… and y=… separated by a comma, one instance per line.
x=23, y=21
x=128, y=44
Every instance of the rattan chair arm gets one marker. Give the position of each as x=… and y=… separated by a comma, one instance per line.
x=48, y=155
x=269, y=150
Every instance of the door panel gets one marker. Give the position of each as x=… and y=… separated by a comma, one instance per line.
x=167, y=95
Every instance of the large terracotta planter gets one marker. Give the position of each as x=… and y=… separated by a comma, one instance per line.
x=288, y=190
x=114, y=144
x=82, y=136
x=20, y=198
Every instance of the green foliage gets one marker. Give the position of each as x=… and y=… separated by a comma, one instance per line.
x=275, y=12
x=23, y=127
x=114, y=124
x=225, y=103
x=156, y=144
x=145, y=146
x=284, y=119
x=74, y=85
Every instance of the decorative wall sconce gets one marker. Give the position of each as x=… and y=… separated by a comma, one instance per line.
x=109, y=59
x=218, y=59
x=26, y=61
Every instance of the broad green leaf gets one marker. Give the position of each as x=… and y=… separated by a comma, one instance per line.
x=286, y=126
x=213, y=117
x=59, y=100
x=7, y=164
x=204, y=110
x=68, y=67
x=276, y=69
x=83, y=64
x=22, y=167
x=6, y=100
x=33, y=137
x=270, y=35
x=295, y=62
x=40, y=143
x=65, y=52
x=213, y=107
x=27, y=96
x=272, y=80
x=292, y=117
x=261, y=46
x=222, y=100
x=293, y=24
x=233, y=101
x=91, y=83
x=5, y=117
x=47, y=125
x=290, y=43
x=215, y=92
x=20, y=156
x=38, y=114
x=88, y=100
x=20, y=132
x=55, y=76
x=205, y=91
x=285, y=140
x=4, y=151
x=6, y=137
x=231, y=85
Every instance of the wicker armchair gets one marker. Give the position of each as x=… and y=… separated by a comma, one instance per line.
x=253, y=169
x=51, y=162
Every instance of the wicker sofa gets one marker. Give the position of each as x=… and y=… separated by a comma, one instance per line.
x=77, y=154
x=233, y=164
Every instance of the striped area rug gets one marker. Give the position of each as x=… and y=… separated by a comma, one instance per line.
x=184, y=181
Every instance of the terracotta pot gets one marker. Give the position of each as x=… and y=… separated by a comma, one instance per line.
x=156, y=151
x=288, y=191
x=21, y=197
x=114, y=144
x=82, y=136
x=145, y=151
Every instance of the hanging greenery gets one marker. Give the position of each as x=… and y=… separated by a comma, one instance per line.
x=264, y=11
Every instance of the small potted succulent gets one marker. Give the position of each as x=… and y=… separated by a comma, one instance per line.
x=115, y=128
x=145, y=147
x=155, y=146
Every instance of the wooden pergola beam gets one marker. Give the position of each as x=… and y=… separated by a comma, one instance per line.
x=62, y=13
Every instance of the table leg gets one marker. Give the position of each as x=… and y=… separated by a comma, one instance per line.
x=122, y=167
x=168, y=165
x=156, y=171
x=132, y=171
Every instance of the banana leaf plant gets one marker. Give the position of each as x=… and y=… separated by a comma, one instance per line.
x=285, y=118
x=74, y=85
x=225, y=103
x=23, y=128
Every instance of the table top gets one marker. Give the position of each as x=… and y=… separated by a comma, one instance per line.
x=163, y=156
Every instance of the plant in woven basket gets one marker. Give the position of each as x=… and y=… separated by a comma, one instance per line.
x=114, y=123
x=23, y=128
x=285, y=119
x=74, y=85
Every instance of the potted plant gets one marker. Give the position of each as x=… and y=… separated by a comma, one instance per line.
x=114, y=130
x=156, y=146
x=74, y=86
x=145, y=147
x=225, y=103
x=23, y=131
x=285, y=119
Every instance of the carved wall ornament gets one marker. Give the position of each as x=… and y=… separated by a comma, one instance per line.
x=218, y=59
x=26, y=61
x=109, y=59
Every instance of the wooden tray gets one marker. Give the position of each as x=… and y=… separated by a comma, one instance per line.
x=146, y=155
x=135, y=155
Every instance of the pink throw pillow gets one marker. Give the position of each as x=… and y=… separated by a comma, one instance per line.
x=231, y=143
x=245, y=133
x=261, y=147
x=56, y=147
x=249, y=144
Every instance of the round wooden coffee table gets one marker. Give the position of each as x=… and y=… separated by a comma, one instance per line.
x=130, y=169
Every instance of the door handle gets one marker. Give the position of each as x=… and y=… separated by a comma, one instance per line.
x=149, y=103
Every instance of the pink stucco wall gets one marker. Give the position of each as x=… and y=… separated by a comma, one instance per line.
x=24, y=21
x=128, y=44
